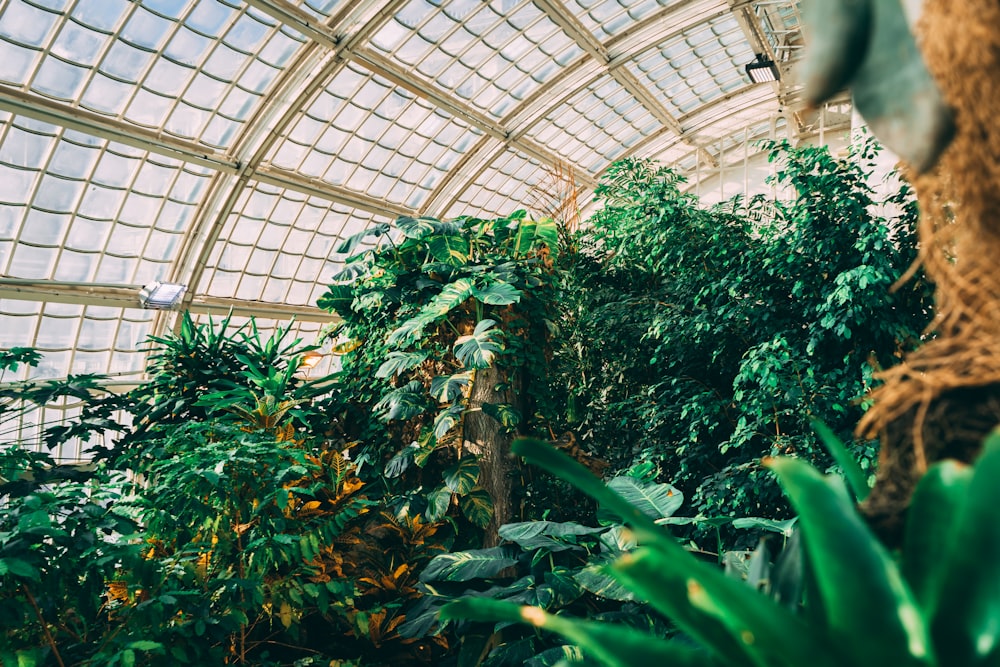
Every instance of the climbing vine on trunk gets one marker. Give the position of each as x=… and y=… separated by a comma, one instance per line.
x=445, y=337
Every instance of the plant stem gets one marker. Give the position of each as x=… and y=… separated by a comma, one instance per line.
x=45, y=626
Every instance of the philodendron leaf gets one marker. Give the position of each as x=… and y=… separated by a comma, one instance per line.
x=397, y=362
x=402, y=403
x=596, y=579
x=416, y=228
x=506, y=414
x=446, y=388
x=657, y=501
x=868, y=605
x=351, y=242
x=478, y=349
x=967, y=617
x=549, y=535
x=461, y=477
x=612, y=645
x=497, y=294
x=447, y=419
x=735, y=623
x=931, y=527
x=438, y=502
x=453, y=250
x=472, y=564
x=477, y=506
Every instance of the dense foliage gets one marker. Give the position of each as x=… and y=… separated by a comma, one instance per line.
x=706, y=339
x=250, y=515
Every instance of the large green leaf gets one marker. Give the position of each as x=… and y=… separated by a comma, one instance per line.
x=447, y=419
x=612, y=645
x=397, y=362
x=731, y=620
x=506, y=414
x=451, y=296
x=351, y=242
x=478, y=349
x=403, y=403
x=967, y=617
x=654, y=500
x=472, y=564
x=547, y=231
x=931, y=529
x=549, y=535
x=337, y=298
x=497, y=294
x=596, y=579
x=462, y=477
x=453, y=250
x=856, y=478
x=416, y=228
x=438, y=502
x=477, y=506
x=868, y=605
x=446, y=388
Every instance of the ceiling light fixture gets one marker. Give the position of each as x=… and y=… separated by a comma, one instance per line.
x=763, y=69
x=161, y=296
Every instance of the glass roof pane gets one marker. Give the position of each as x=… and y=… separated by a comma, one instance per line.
x=609, y=18
x=490, y=55
x=364, y=133
x=277, y=245
x=701, y=65
x=501, y=188
x=596, y=125
x=80, y=209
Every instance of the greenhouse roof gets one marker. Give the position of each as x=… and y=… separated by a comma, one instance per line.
x=229, y=146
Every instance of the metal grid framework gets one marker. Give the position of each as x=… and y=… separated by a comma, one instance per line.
x=230, y=146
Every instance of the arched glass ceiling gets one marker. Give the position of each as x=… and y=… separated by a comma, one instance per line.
x=229, y=146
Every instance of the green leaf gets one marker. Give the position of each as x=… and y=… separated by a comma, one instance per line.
x=477, y=506
x=654, y=500
x=480, y=348
x=504, y=413
x=462, y=477
x=337, y=299
x=403, y=403
x=397, y=362
x=450, y=297
x=472, y=564
x=862, y=591
x=967, y=617
x=416, y=228
x=453, y=250
x=498, y=294
x=146, y=645
x=549, y=535
x=784, y=528
x=547, y=231
x=438, y=502
x=856, y=478
x=351, y=242
x=727, y=612
x=597, y=580
x=19, y=568
x=446, y=388
x=612, y=645
x=931, y=529
x=447, y=419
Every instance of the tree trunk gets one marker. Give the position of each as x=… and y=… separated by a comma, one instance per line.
x=485, y=437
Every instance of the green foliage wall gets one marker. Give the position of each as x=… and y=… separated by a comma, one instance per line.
x=706, y=339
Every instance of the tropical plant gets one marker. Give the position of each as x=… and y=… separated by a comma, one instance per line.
x=707, y=339
x=858, y=606
x=446, y=326
x=558, y=566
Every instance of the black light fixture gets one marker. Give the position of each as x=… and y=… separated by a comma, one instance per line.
x=763, y=69
x=161, y=296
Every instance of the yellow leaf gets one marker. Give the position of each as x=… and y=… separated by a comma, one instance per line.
x=344, y=348
x=285, y=615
